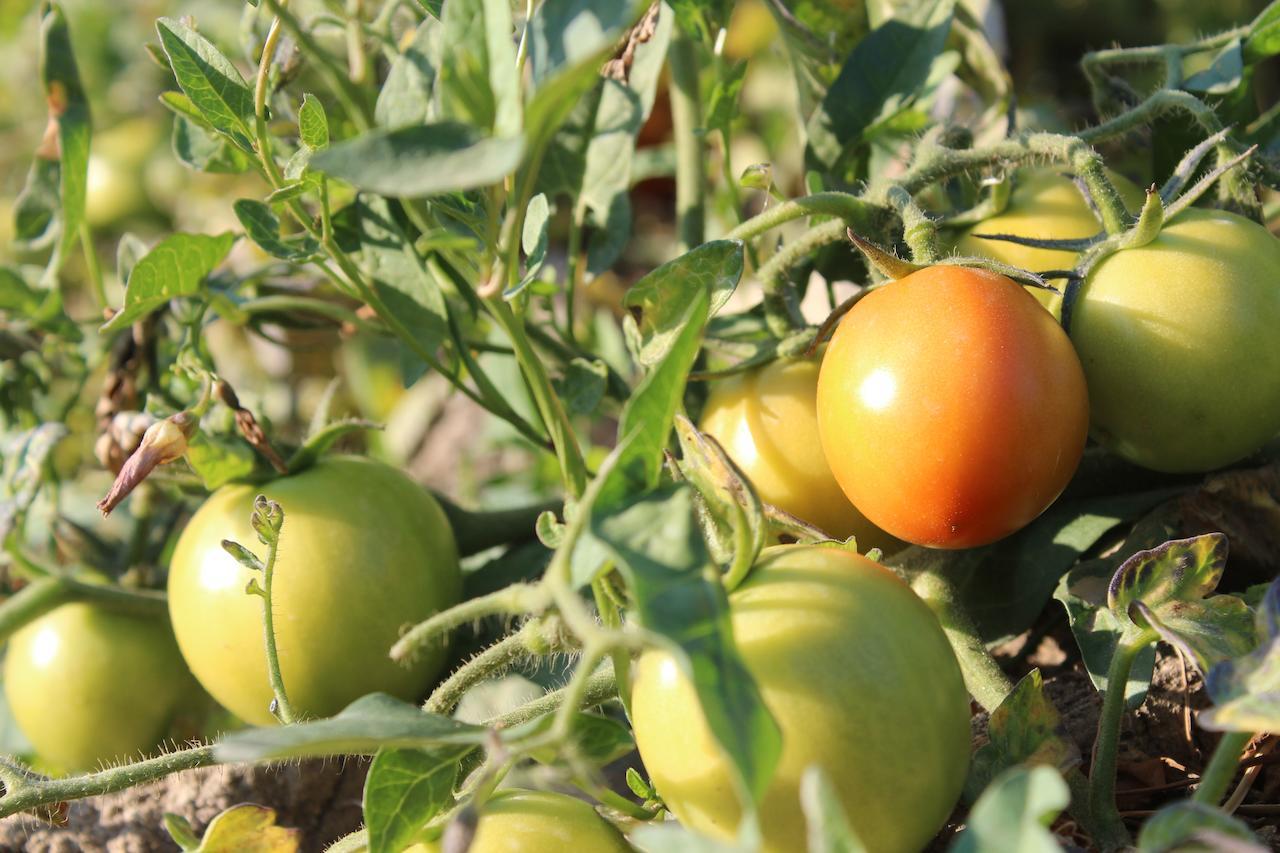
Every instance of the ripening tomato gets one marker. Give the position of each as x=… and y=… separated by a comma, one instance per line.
x=767, y=421
x=1180, y=341
x=520, y=821
x=952, y=407
x=1044, y=205
x=364, y=552
x=859, y=677
x=89, y=685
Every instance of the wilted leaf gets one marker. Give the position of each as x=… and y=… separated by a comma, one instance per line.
x=248, y=828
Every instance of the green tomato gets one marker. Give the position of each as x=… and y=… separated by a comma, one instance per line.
x=89, y=685
x=115, y=188
x=1044, y=205
x=520, y=821
x=364, y=551
x=1179, y=343
x=767, y=422
x=859, y=676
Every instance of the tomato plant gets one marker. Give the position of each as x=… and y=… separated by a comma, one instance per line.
x=1175, y=345
x=952, y=409
x=388, y=405
x=366, y=551
x=885, y=678
x=767, y=420
x=90, y=686
x=538, y=822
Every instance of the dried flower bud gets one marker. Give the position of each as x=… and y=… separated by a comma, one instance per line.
x=163, y=442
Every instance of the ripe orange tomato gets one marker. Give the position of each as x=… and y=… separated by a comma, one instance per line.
x=952, y=407
x=767, y=421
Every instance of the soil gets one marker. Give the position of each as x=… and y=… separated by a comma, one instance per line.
x=320, y=798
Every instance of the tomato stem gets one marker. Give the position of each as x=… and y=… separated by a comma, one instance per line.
x=48, y=593
x=1102, y=771
x=1222, y=768
x=688, y=131
x=535, y=637
x=515, y=600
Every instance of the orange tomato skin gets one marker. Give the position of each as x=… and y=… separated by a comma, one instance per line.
x=952, y=408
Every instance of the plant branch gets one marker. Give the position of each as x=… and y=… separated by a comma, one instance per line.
x=686, y=124
x=515, y=600
x=1222, y=768
x=52, y=591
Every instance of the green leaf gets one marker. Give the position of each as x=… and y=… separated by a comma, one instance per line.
x=728, y=497
x=24, y=456
x=583, y=385
x=722, y=106
x=1014, y=812
x=69, y=108
x=421, y=160
x=881, y=77
x=319, y=441
x=829, y=829
x=209, y=80
x=398, y=276
x=1264, y=35
x=1224, y=73
x=206, y=150
x=596, y=740
x=655, y=541
x=248, y=828
x=1191, y=826
x=16, y=295
x=262, y=226
x=218, y=460
x=566, y=34
x=1246, y=690
x=362, y=728
x=313, y=124
x=35, y=211
x=406, y=788
x=1023, y=730
x=129, y=251
x=1163, y=591
x=181, y=831
x=662, y=297
x=476, y=81
x=702, y=19
x=649, y=415
x=177, y=266
x=406, y=96
x=533, y=239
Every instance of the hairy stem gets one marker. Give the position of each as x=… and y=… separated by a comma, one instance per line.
x=515, y=600
x=1102, y=770
x=535, y=637
x=283, y=710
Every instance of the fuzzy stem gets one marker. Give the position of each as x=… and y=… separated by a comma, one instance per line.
x=599, y=687
x=686, y=121
x=48, y=593
x=534, y=637
x=283, y=709
x=918, y=230
x=515, y=600
x=1102, y=771
x=847, y=206
x=983, y=677
x=1222, y=768
x=30, y=793
x=782, y=313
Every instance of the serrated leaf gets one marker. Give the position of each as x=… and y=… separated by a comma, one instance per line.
x=828, y=825
x=880, y=78
x=406, y=788
x=177, y=266
x=1023, y=730
x=1163, y=590
x=262, y=226
x=362, y=728
x=420, y=160
x=1191, y=826
x=313, y=124
x=662, y=297
x=406, y=96
x=1246, y=690
x=1013, y=813
x=655, y=542
x=209, y=80
x=248, y=828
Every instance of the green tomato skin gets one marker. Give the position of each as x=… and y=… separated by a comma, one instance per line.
x=89, y=685
x=520, y=821
x=1180, y=343
x=364, y=551
x=859, y=677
